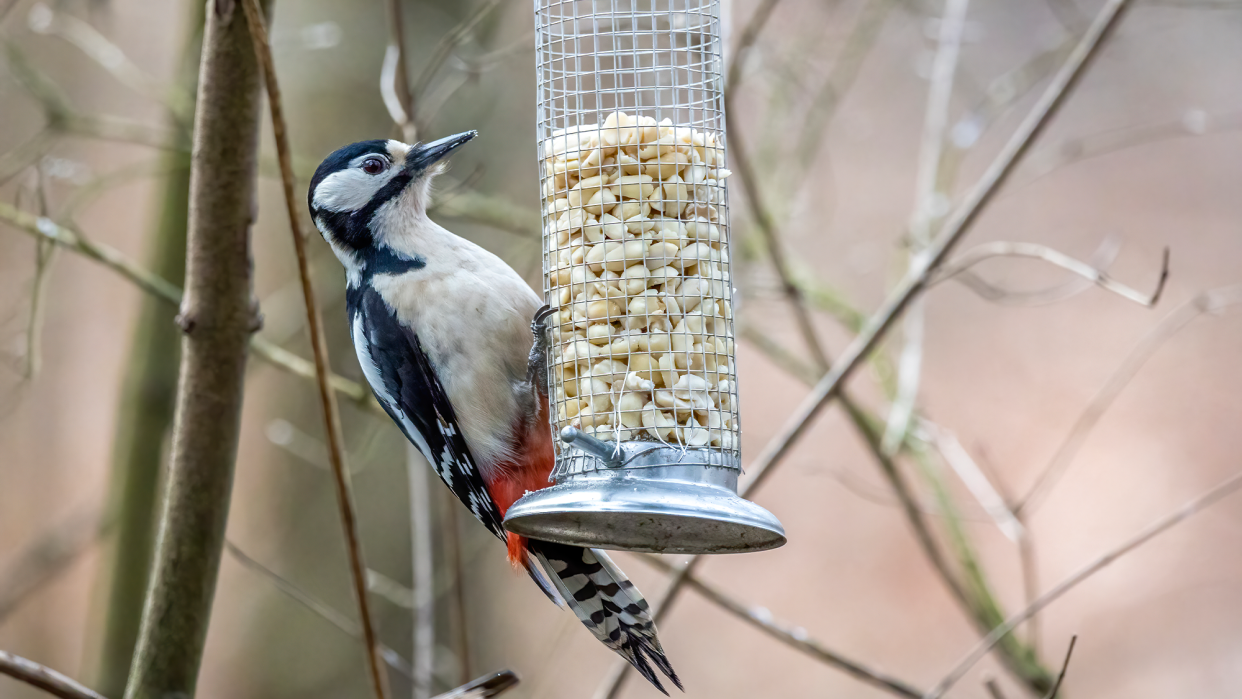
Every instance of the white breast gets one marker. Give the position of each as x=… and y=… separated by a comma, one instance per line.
x=472, y=314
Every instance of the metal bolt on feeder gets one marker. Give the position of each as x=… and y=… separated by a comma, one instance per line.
x=643, y=384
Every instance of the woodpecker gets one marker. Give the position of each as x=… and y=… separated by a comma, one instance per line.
x=445, y=333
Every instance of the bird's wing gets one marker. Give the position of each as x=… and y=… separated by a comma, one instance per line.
x=405, y=383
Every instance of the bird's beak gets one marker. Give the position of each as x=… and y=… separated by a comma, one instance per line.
x=424, y=155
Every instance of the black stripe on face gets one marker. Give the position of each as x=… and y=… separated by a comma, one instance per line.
x=351, y=228
x=340, y=160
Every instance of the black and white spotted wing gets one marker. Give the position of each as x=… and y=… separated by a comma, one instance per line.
x=405, y=383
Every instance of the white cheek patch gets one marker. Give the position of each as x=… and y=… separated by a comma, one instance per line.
x=349, y=190
x=396, y=153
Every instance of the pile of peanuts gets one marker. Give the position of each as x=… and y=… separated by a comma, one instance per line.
x=637, y=272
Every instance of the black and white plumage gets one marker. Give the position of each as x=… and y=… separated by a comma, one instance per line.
x=442, y=331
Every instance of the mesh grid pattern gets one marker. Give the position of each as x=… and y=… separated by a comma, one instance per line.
x=635, y=223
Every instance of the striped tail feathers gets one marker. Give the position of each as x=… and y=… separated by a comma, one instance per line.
x=531, y=564
x=608, y=604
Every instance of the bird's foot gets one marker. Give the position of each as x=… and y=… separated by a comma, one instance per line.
x=537, y=365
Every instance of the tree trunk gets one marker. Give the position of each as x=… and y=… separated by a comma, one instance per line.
x=217, y=318
x=145, y=413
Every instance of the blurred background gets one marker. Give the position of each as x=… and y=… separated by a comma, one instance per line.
x=1050, y=420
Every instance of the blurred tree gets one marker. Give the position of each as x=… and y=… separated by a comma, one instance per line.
x=145, y=412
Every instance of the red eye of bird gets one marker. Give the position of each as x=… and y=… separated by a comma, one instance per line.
x=374, y=166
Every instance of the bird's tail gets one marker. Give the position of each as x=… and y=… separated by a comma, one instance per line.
x=608, y=604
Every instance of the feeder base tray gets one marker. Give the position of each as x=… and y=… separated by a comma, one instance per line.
x=651, y=510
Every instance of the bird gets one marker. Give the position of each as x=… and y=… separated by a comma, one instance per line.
x=450, y=339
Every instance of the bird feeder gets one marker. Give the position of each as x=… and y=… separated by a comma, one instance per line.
x=642, y=380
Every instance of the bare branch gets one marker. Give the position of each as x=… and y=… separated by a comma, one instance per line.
x=750, y=182
x=845, y=69
x=1074, y=150
x=1069, y=652
x=218, y=318
x=110, y=257
x=1103, y=256
x=422, y=560
x=45, y=254
x=1214, y=301
x=450, y=41
x=1042, y=252
x=993, y=688
x=926, y=213
x=107, y=55
x=1228, y=487
x=319, y=347
x=47, y=556
x=43, y=678
x=975, y=480
x=334, y=617
x=796, y=638
x=922, y=268
x=394, y=77
x=496, y=212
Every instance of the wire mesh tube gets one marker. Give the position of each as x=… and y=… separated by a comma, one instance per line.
x=635, y=224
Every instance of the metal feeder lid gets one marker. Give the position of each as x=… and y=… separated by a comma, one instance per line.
x=647, y=497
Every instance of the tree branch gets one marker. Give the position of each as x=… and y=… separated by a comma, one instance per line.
x=43, y=678
x=921, y=270
x=1096, y=276
x=761, y=619
x=48, y=555
x=1213, y=301
x=217, y=317
x=319, y=348
x=1228, y=487
x=1069, y=652
x=44, y=228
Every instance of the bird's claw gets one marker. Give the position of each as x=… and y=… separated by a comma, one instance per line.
x=537, y=365
x=537, y=325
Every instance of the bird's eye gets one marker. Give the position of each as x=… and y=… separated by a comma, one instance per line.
x=374, y=166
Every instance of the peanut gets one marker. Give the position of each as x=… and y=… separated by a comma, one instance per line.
x=638, y=275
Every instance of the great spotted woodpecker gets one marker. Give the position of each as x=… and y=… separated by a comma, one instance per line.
x=443, y=331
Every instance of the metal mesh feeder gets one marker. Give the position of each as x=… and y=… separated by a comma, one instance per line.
x=643, y=384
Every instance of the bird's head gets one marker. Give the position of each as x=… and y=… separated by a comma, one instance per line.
x=367, y=192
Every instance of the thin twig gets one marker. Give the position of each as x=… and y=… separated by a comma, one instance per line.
x=1029, y=564
x=973, y=477
x=1192, y=124
x=1228, y=487
x=1036, y=251
x=920, y=271
x=324, y=610
x=45, y=254
x=796, y=638
x=845, y=69
x=1069, y=652
x=451, y=534
x=110, y=57
x=67, y=237
x=993, y=688
x=400, y=103
x=1213, y=301
x=750, y=182
x=1103, y=256
x=422, y=560
x=450, y=41
x=319, y=347
x=927, y=194
x=48, y=555
x=44, y=678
